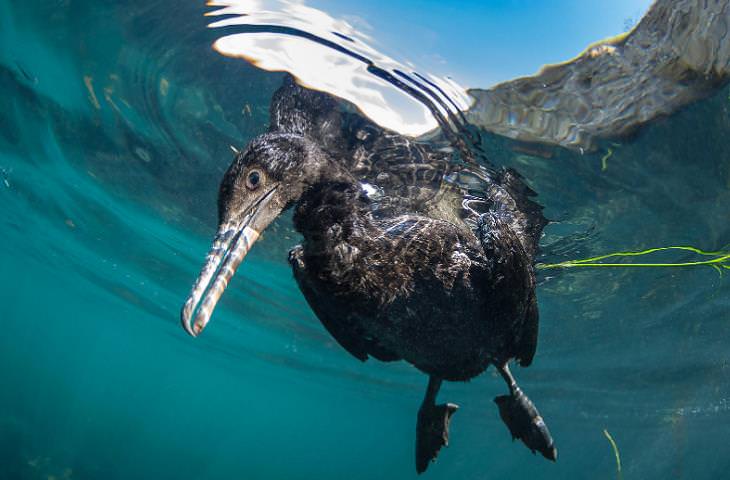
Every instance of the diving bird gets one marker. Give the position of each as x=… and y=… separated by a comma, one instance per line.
x=406, y=254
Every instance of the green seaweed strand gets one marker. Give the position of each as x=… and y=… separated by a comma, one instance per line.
x=721, y=259
x=604, y=159
x=615, y=453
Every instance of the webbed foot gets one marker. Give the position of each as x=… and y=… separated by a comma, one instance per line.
x=432, y=432
x=523, y=419
x=432, y=429
x=524, y=422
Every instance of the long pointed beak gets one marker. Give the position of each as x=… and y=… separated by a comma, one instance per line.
x=230, y=246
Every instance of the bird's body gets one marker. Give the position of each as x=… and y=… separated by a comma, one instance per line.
x=392, y=262
x=399, y=259
x=411, y=287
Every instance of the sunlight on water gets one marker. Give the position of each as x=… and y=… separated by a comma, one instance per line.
x=290, y=36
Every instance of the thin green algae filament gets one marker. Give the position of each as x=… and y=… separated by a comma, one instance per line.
x=615, y=453
x=720, y=260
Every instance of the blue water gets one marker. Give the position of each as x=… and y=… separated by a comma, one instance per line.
x=115, y=126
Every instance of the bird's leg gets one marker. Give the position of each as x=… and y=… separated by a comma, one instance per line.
x=523, y=419
x=432, y=429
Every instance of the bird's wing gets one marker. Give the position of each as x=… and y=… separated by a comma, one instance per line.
x=523, y=213
x=348, y=339
x=527, y=345
x=348, y=334
x=511, y=263
x=678, y=53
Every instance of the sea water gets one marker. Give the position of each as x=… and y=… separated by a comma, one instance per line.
x=113, y=137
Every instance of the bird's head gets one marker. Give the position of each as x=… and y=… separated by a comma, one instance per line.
x=268, y=176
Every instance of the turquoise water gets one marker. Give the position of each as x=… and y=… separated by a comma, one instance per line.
x=113, y=139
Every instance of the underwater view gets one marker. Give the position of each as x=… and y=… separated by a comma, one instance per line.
x=409, y=188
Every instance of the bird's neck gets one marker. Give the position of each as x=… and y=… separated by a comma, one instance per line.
x=330, y=212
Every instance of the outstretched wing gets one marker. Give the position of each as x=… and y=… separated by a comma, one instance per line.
x=678, y=53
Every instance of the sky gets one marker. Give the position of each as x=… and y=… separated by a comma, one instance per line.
x=481, y=43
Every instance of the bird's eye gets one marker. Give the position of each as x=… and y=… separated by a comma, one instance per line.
x=253, y=179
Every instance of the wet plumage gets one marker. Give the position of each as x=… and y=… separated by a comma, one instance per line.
x=398, y=260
